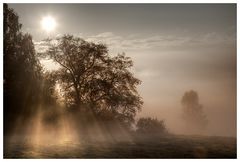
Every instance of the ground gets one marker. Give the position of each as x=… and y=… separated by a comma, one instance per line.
x=172, y=146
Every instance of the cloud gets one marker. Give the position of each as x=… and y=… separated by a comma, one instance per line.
x=161, y=41
x=40, y=46
x=164, y=42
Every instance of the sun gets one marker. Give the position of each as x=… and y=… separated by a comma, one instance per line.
x=48, y=23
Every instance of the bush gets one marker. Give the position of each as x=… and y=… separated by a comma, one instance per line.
x=151, y=126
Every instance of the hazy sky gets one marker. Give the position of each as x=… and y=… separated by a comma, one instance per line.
x=175, y=48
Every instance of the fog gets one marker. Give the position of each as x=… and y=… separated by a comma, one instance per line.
x=175, y=48
x=167, y=75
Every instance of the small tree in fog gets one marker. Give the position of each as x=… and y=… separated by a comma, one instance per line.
x=193, y=111
x=151, y=126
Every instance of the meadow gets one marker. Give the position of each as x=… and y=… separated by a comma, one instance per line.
x=172, y=146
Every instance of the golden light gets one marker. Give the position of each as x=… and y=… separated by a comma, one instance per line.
x=48, y=23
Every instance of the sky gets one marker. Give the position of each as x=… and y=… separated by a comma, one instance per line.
x=175, y=48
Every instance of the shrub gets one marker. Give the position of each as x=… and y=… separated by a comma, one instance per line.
x=151, y=126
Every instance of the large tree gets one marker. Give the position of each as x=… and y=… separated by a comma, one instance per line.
x=24, y=83
x=94, y=81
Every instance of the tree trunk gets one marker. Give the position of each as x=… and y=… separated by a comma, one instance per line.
x=77, y=99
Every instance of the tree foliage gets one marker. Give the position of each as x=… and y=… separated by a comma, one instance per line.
x=94, y=81
x=24, y=82
x=193, y=111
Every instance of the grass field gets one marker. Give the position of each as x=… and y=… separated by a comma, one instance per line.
x=139, y=147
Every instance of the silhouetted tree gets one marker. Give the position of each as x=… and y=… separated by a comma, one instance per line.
x=151, y=126
x=93, y=81
x=193, y=111
x=25, y=86
x=22, y=71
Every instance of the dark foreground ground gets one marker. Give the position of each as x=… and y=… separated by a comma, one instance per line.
x=154, y=147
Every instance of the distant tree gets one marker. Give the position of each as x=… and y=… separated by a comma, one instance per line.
x=49, y=99
x=94, y=81
x=193, y=111
x=49, y=94
x=151, y=126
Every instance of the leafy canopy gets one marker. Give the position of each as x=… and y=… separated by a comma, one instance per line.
x=94, y=81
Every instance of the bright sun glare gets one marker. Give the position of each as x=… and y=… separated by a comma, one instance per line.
x=48, y=23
